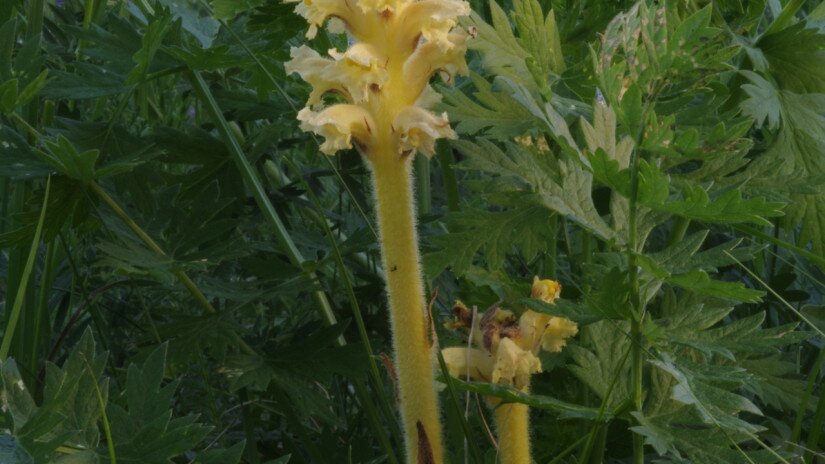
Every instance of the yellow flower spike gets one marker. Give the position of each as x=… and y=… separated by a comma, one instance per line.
x=513, y=345
x=383, y=76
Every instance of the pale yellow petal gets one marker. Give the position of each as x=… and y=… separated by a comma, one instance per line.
x=558, y=330
x=380, y=6
x=468, y=363
x=429, y=58
x=359, y=70
x=338, y=124
x=531, y=327
x=431, y=19
x=352, y=73
x=545, y=290
x=418, y=129
x=317, y=11
x=513, y=365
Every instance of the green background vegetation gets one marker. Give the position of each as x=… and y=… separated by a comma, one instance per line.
x=184, y=277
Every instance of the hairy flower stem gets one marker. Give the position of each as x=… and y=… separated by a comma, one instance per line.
x=411, y=327
x=392, y=180
x=513, y=426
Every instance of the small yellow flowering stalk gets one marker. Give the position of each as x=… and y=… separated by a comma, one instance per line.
x=397, y=46
x=506, y=353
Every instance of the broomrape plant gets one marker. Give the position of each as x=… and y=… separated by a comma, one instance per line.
x=384, y=78
x=506, y=353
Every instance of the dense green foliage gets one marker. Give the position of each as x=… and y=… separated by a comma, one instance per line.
x=185, y=278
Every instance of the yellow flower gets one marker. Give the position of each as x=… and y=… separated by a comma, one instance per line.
x=510, y=364
x=417, y=129
x=351, y=74
x=338, y=125
x=400, y=45
x=545, y=290
x=383, y=78
x=508, y=347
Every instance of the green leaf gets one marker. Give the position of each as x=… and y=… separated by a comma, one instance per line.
x=796, y=58
x=763, y=102
x=726, y=208
x=8, y=96
x=501, y=52
x=716, y=407
x=699, y=281
x=151, y=41
x=69, y=161
x=676, y=434
x=510, y=394
x=33, y=88
x=70, y=410
x=492, y=232
x=562, y=308
x=490, y=112
x=561, y=186
x=143, y=428
x=601, y=360
x=87, y=81
x=231, y=455
x=228, y=9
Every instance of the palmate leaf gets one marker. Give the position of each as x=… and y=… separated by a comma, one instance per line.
x=796, y=58
x=717, y=407
x=70, y=410
x=692, y=328
x=143, y=428
x=676, y=436
x=492, y=232
x=601, y=360
x=692, y=202
x=530, y=58
x=490, y=112
x=295, y=367
x=560, y=185
x=776, y=382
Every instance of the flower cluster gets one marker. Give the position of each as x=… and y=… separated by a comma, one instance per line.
x=506, y=347
x=398, y=45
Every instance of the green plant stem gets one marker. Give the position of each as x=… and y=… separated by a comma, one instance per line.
x=423, y=188
x=8, y=334
x=636, y=306
x=445, y=159
x=813, y=257
x=251, y=452
x=362, y=332
x=637, y=382
x=107, y=430
x=803, y=404
x=550, y=257
x=149, y=242
x=817, y=425
x=680, y=227
x=41, y=315
x=254, y=184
